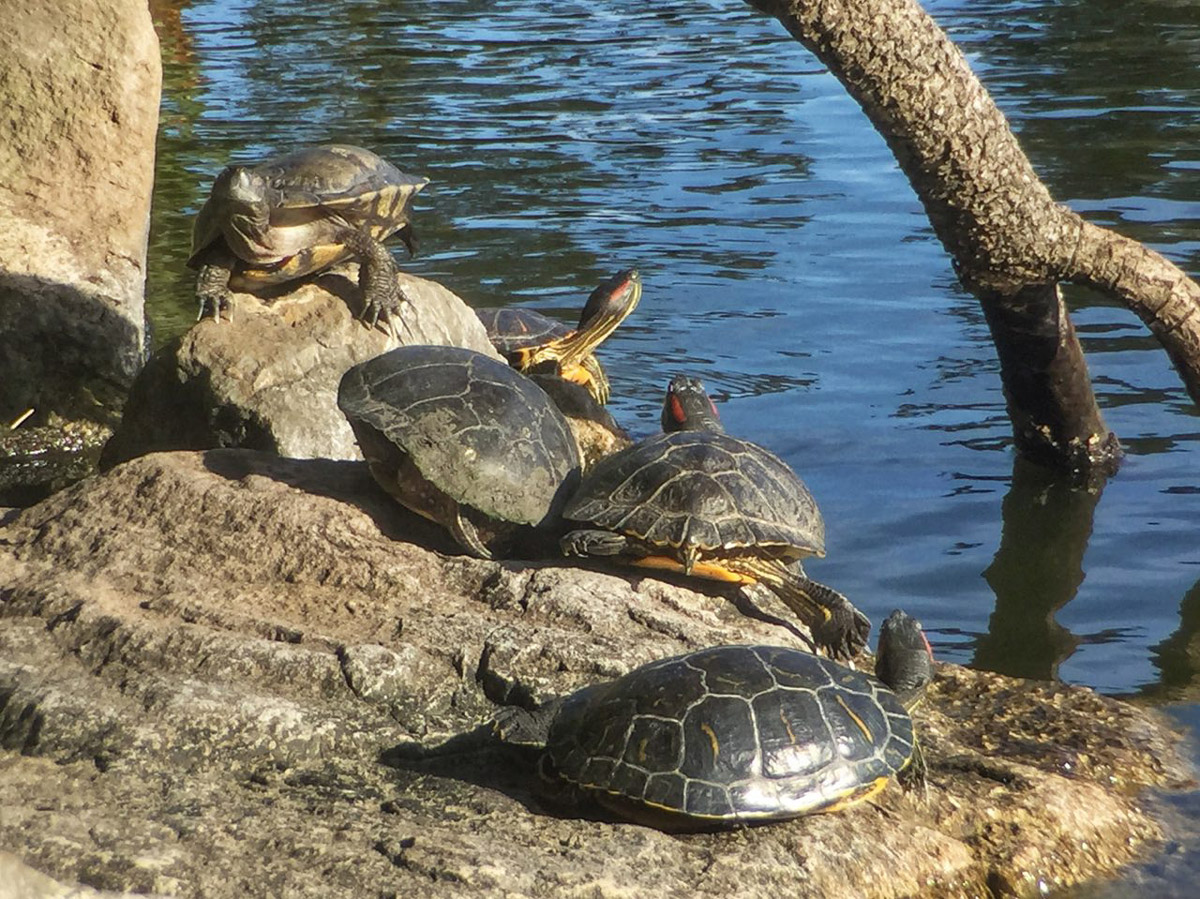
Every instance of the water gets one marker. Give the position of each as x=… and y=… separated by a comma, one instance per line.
x=786, y=262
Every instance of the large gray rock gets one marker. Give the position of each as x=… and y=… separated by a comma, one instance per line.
x=79, y=93
x=268, y=379
x=214, y=669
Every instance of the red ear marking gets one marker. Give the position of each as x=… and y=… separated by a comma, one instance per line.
x=713, y=406
x=677, y=412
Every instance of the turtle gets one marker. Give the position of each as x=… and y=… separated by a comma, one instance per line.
x=299, y=213
x=737, y=735
x=596, y=431
x=533, y=342
x=697, y=500
x=463, y=440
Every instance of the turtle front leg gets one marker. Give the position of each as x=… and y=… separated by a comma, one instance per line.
x=593, y=542
x=915, y=774
x=837, y=626
x=377, y=271
x=468, y=536
x=212, y=288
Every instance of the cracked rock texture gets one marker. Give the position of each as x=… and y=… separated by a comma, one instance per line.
x=219, y=672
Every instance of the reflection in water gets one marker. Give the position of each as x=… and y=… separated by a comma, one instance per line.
x=1178, y=657
x=1036, y=571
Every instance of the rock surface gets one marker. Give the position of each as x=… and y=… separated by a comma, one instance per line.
x=216, y=670
x=80, y=96
x=268, y=379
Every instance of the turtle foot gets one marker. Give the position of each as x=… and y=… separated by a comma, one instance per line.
x=383, y=298
x=212, y=291
x=592, y=543
x=843, y=634
x=386, y=307
x=213, y=307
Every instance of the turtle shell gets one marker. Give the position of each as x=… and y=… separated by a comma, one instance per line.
x=312, y=195
x=705, y=490
x=482, y=434
x=731, y=734
x=512, y=329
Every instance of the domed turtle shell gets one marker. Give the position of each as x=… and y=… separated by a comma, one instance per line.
x=702, y=490
x=698, y=501
x=480, y=433
x=743, y=734
x=311, y=196
x=513, y=328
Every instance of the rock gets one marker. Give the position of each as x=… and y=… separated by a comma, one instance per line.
x=80, y=95
x=217, y=672
x=268, y=379
x=22, y=882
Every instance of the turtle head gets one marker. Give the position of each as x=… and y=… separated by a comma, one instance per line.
x=606, y=307
x=904, y=661
x=244, y=198
x=611, y=302
x=687, y=407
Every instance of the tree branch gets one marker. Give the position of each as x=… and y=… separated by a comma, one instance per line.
x=1010, y=242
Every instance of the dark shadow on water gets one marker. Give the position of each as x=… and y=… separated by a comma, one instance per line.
x=1036, y=571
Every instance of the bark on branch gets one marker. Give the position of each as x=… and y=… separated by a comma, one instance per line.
x=1010, y=242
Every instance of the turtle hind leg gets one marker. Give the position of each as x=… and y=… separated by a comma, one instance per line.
x=522, y=727
x=837, y=626
x=377, y=271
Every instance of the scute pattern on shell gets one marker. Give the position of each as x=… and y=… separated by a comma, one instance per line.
x=701, y=489
x=733, y=733
x=479, y=431
x=330, y=175
x=512, y=329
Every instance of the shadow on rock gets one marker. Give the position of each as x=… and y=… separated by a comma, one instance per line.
x=343, y=481
x=479, y=758
x=747, y=600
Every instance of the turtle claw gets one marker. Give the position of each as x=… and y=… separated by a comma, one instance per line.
x=386, y=307
x=215, y=305
x=383, y=297
x=843, y=634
